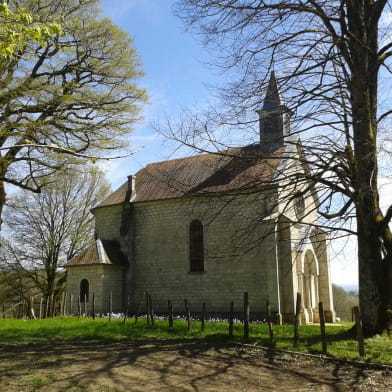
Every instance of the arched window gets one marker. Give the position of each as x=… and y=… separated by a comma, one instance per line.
x=84, y=289
x=196, y=246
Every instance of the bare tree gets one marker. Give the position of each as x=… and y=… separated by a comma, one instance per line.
x=330, y=57
x=45, y=230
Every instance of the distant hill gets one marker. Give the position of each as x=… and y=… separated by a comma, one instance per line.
x=345, y=297
x=349, y=288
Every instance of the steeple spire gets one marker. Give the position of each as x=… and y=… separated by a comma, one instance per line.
x=273, y=98
x=274, y=117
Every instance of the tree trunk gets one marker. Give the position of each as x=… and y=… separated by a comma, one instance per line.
x=374, y=279
x=2, y=202
x=50, y=283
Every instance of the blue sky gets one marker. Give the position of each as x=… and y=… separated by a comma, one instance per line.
x=176, y=78
x=176, y=75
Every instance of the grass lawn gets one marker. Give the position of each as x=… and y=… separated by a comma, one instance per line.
x=340, y=339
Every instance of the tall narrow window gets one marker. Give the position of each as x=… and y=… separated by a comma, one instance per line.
x=299, y=206
x=84, y=288
x=196, y=246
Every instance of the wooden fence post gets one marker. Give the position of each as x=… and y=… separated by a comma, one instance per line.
x=62, y=303
x=246, y=316
x=203, y=316
x=231, y=318
x=71, y=303
x=139, y=308
x=297, y=319
x=65, y=303
x=32, y=313
x=30, y=309
x=93, y=306
x=22, y=313
x=322, y=328
x=147, y=307
x=47, y=309
x=52, y=306
x=358, y=323
x=3, y=310
x=79, y=307
x=85, y=305
x=110, y=305
x=188, y=314
x=126, y=309
x=271, y=331
x=170, y=313
x=150, y=308
x=389, y=326
x=40, y=307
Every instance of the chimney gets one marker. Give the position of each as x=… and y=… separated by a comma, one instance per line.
x=131, y=190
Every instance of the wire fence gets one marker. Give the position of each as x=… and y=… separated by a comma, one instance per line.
x=40, y=308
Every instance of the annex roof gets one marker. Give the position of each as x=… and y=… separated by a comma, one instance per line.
x=100, y=252
x=233, y=170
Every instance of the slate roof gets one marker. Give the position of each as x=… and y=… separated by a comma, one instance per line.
x=100, y=252
x=233, y=170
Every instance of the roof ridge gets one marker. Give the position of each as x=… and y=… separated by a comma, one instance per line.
x=192, y=156
x=223, y=153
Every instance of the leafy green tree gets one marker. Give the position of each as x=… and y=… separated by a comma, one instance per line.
x=67, y=97
x=333, y=60
x=45, y=230
x=19, y=27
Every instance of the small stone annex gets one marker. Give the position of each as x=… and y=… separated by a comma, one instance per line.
x=208, y=228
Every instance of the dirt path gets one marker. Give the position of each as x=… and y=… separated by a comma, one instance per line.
x=165, y=366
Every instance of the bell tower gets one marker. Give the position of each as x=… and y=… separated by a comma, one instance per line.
x=274, y=117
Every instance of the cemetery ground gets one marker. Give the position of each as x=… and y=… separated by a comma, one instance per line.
x=85, y=355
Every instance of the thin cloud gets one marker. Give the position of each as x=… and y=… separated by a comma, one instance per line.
x=149, y=10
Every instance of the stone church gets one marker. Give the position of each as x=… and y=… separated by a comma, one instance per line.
x=208, y=228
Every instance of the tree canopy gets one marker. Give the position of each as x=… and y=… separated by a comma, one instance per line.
x=19, y=27
x=67, y=95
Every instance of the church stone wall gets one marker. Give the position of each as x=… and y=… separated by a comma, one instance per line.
x=108, y=222
x=160, y=261
x=102, y=279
